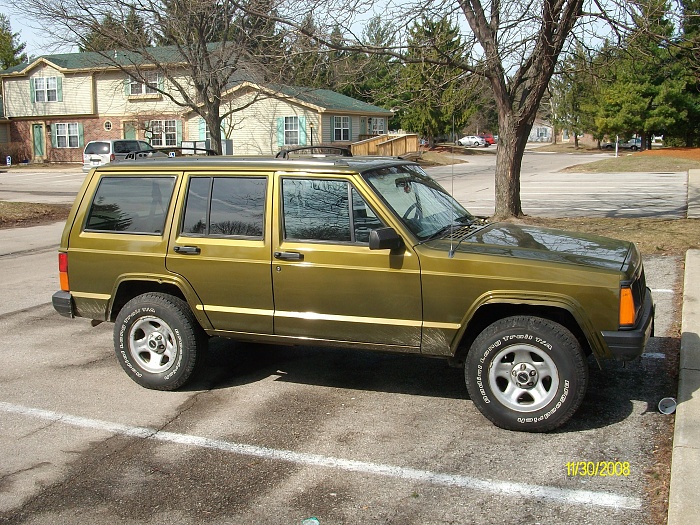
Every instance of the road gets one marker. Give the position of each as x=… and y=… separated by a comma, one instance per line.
x=272, y=434
x=545, y=191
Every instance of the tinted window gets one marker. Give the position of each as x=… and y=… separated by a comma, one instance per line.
x=131, y=204
x=97, y=148
x=230, y=206
x=125, y=146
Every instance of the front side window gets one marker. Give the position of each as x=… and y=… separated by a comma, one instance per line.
x=163, y=133
x=225, y=206
x=45, y=89
x=326, y=210
x=130, y=205
x=291, y=131
x=67, y=135
x=341, y=128
x=147, y=86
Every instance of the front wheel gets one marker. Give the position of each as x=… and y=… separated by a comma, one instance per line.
x=526, y=373
x=158, y=341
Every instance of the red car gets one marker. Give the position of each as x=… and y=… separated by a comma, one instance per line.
x=488, y=138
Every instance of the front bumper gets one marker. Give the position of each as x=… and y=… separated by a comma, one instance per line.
x=626, y=345
x=63, y=303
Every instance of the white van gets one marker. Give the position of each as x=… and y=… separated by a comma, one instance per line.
x=99, y=152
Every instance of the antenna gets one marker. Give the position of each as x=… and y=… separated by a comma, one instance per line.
x=452, y=189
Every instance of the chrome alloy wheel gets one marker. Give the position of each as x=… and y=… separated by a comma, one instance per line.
x=152, y=344
x=523, y=378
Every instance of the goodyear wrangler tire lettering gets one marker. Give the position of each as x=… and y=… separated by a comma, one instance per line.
x=158, y=341
x=526, y=373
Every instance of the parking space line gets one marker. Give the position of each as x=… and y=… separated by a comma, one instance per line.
x=506, y=488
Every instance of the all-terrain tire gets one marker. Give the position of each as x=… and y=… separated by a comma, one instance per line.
x=157, y=341
x=526, y=373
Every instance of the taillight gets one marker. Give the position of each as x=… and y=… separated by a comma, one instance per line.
x=111, y=157
x=627, y=308
x=63, y=271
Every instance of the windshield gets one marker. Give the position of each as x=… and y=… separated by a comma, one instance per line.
x=420, y=202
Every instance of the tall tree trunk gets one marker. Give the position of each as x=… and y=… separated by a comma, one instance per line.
x=512, y=139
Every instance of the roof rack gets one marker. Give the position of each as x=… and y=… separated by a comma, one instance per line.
x=315, y=151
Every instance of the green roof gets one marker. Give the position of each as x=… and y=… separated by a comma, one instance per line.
x=93, y=59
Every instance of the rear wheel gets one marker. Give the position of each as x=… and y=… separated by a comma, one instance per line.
x=526, y=373
x=158, y=341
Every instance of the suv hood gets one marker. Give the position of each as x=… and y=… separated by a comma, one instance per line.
x=542, y=244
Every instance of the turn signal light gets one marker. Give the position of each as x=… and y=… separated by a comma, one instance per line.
x=627, y=309
x=63, y=271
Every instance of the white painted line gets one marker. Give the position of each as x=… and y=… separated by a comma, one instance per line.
x=653, y=355
x=661, y=290
x=506, y=488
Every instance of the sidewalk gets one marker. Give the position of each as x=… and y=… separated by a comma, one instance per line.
x=683, y=501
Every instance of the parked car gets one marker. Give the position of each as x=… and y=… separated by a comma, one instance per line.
x=472, y=140
x=356, y=252
x=631, y=144
x=100, y=152
x=488, y=138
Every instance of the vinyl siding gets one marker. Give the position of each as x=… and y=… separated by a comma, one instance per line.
x=255, y=127
x=76, y=90
x=113, y=101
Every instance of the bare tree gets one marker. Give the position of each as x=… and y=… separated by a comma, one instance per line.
x=204, y=46
x=514, y=45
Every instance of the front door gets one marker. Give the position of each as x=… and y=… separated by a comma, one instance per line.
x=327, y=283
x=39, y=144
x=130, y=130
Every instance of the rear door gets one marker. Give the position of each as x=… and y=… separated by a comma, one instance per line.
x=328, y=284
x=221, y=245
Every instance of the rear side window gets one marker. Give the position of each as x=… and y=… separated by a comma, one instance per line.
x=125, y=146
x=97, y=148
x=225, y=206
x=131, y=205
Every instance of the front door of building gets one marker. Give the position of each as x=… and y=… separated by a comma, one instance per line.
x=39, y=145
x=130, y=130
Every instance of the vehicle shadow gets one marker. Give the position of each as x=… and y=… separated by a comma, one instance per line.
x=613, y=392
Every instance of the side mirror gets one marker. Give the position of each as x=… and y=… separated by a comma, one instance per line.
x=385, y=239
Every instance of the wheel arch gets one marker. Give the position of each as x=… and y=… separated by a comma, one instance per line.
x=132, y=286
x=489, y=312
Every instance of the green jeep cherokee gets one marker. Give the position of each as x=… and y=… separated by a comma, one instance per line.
x=352, y=252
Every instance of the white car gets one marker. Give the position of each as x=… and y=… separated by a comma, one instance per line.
x=471, y=140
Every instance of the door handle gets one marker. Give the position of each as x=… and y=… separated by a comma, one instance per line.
x=289, y=256
x=187, y=250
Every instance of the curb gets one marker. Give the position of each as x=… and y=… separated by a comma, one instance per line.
x=693, y=194
x=683, y=501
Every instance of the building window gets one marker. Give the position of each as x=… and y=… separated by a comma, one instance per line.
x=108, y=125
x=67, y=135
x=163, y=133
x=341, y=128
x=378, y=126
x=45, y=89
x=137, y=86
x=291, y=131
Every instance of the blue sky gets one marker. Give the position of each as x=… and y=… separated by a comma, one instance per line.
x=38, y=42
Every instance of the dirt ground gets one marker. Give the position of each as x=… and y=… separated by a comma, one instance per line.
x=22, y=214
x=682, y=153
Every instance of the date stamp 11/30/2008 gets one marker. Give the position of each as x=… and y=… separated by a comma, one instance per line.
x=603, y=469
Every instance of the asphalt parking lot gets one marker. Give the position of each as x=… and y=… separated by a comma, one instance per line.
x=273, y=434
